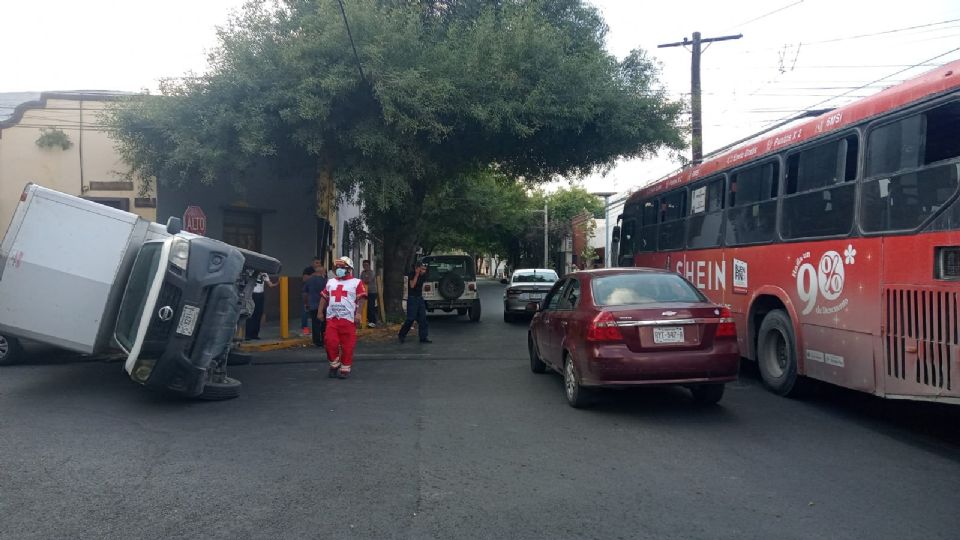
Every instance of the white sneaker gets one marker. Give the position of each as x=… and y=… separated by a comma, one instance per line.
x=372, y=325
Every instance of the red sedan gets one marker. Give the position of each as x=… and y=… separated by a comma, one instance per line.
x=633, y=326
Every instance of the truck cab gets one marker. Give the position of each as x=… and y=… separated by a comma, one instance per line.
x=93, y=279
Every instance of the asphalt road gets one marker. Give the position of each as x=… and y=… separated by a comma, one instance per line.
x=458, y=439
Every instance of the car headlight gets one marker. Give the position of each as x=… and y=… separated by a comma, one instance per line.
x=180, y=252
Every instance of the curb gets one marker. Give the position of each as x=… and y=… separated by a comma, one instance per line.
x=386, y=333
x=266, y=346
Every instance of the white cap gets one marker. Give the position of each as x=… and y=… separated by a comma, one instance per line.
x=346, y=260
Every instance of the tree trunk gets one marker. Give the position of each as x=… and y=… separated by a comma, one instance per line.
x=400, y=237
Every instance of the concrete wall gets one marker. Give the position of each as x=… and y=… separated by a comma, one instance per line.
x=90, y=167
x=287, y=218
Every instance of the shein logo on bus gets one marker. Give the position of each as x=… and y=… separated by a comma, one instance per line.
x=825, y=280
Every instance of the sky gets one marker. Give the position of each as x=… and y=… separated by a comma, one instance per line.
x=794, y=54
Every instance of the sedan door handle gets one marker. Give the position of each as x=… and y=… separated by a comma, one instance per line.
x=563, y=323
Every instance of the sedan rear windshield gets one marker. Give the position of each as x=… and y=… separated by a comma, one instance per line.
x=535, y=277
x=630, y=289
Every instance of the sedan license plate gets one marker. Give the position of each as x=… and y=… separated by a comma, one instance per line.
x=670, y=334
x=536, y=296
x=188, y=320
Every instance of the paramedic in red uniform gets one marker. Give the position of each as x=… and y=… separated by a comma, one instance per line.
x=341, y=304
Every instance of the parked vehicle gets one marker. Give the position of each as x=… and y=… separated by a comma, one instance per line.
x=89, y=278
x=451, y=284
x=633, y=327
x=526, y=285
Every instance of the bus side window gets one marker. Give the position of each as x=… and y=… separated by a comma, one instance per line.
x=705, y=224
x=912, y=169
x=819, y=196
x=751, y=215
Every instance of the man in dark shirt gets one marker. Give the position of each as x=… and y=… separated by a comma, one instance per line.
x=312, y=290
x=416, y=307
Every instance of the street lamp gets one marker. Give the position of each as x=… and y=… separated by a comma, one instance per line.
x=606, y=224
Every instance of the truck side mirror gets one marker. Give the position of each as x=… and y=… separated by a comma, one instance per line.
x=615, y=235
x=174, y=225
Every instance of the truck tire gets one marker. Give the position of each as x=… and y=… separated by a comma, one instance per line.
x=239, y=358
x=229, y=388
x=11, y=352
x=451, y=286
x=777, y=353
x=260, y=262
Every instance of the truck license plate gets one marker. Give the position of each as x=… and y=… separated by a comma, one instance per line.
x=188, y=320
x=672, y=334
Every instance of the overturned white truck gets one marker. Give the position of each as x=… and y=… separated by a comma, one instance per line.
x=85, y=277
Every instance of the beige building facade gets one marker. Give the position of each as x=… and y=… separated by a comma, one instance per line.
x=58, y=141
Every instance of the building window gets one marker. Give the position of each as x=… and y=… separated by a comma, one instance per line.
x=242, y=228
x=120, y=203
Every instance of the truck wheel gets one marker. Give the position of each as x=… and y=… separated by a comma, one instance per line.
x=475, y=311
x=239, y=358
x=11, y=352
x=260, y=262
x=777, y=353
x=229, y=388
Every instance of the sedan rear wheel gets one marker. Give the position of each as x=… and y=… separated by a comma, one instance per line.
x=10, y=351
x=536, y=364
x=708, y=394
x=577, y=396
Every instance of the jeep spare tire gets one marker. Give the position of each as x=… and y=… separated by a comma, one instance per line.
x=451, y=286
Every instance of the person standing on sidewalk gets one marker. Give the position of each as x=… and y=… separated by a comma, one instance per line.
x=416, y=306
x=252, y=330
x=369, y=279
x=313, y=295
x=343, y=298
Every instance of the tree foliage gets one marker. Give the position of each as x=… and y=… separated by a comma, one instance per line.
x=451, y=90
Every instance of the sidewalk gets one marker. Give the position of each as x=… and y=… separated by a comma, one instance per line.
x=270, y=339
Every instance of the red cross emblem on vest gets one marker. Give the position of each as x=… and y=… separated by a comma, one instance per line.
x=339, y=293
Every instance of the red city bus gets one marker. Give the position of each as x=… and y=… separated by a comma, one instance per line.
x=835, y=241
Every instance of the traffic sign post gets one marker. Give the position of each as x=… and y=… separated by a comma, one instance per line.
x=194, y=220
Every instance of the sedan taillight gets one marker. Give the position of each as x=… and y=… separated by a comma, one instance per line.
x=726, y=328
x=604, y=328
x=513, y=292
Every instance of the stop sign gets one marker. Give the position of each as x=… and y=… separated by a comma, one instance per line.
x=194, y=220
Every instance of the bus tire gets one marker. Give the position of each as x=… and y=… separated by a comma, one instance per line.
x=777, y=354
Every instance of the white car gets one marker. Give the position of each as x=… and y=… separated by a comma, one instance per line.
x=526, y=285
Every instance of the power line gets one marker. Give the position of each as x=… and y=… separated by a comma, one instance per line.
x=765, y=15
x=352, y=44
x=885, y=32
x=880, y=79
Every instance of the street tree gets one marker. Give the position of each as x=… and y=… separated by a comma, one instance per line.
x=418, y=94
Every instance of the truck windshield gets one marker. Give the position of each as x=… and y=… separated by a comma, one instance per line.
x=135, y=296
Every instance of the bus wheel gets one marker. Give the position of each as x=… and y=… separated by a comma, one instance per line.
x=777, y=353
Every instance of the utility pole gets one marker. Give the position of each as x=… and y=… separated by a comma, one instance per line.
x=696, y=138
x=546, y=236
